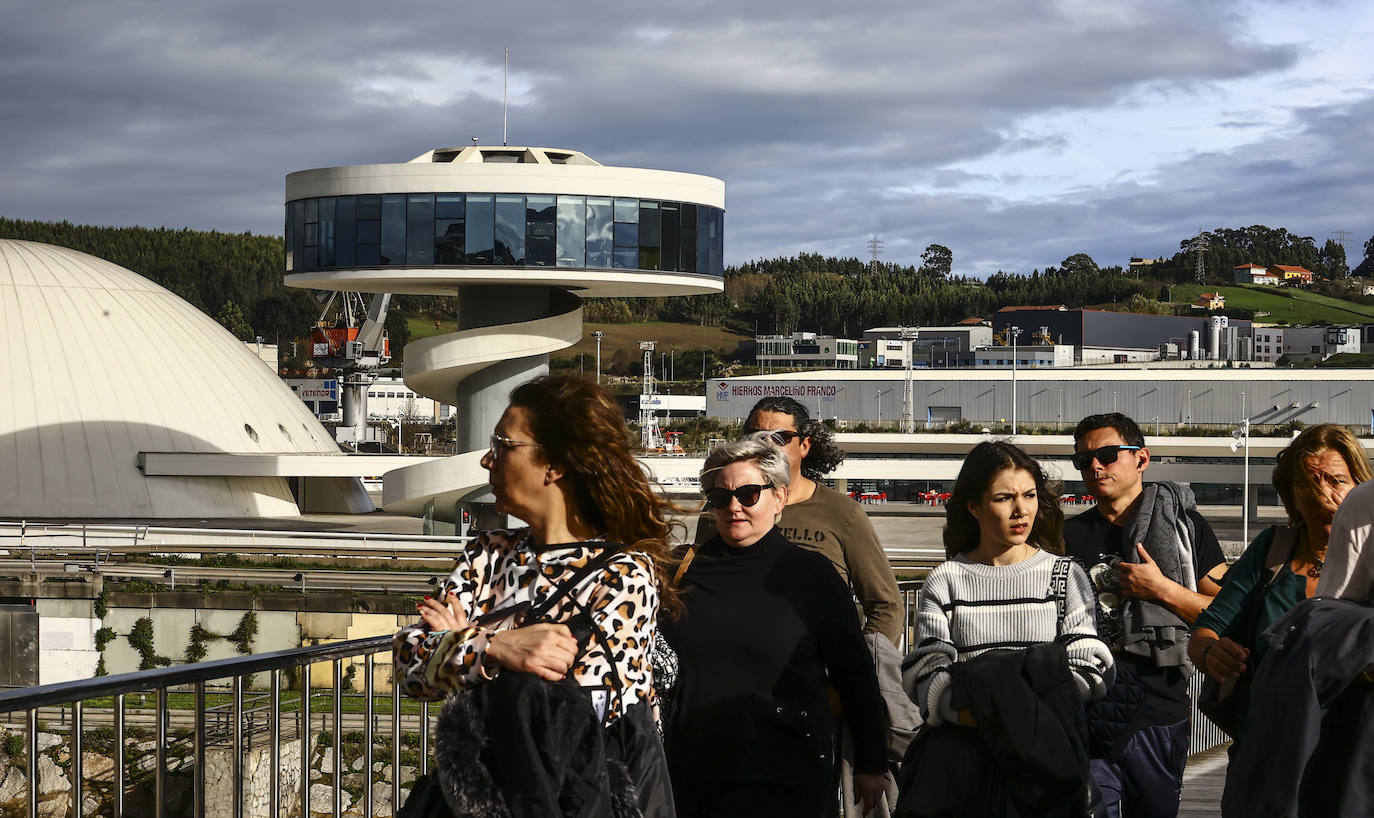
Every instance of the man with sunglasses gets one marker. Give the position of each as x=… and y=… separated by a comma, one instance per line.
x=821, y=519
x=1164, y=574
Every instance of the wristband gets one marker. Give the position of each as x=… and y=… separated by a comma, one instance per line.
x=1203, y=663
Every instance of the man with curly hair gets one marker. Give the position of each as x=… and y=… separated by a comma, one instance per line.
x=821, y=519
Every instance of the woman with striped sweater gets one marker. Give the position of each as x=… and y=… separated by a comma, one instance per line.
x=1005, y=584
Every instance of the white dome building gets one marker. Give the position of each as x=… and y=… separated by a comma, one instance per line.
x=102, y=368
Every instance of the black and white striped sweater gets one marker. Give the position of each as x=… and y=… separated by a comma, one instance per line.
x=968, y=608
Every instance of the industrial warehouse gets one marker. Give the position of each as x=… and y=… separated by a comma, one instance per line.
x=1163, y=399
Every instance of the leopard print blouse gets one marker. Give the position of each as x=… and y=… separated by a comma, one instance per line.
x=501, y=569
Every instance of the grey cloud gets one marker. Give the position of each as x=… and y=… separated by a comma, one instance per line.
x=134, y=113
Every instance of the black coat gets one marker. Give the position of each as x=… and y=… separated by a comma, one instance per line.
x=1309, y=749
x=1028, y=755
x=764, y=628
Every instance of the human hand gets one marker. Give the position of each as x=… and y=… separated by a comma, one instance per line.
x=546, y=650
x=869, y=789
x=1225, y=660
x=1143, y=580
x=446, y=615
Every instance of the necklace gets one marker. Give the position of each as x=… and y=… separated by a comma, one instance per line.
x=1314, y=569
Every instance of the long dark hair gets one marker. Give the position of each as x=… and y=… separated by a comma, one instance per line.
x=987, y=460
x=825, y=454
x=580, y=428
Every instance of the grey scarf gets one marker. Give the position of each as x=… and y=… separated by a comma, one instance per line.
x=1161, y=524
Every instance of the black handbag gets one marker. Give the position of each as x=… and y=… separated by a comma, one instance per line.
x=521, y=746
x=426, y=800
x=1226, y=704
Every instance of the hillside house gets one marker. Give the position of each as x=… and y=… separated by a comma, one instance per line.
x=1210, y=302
x=1255, y=274
x=1292, y=275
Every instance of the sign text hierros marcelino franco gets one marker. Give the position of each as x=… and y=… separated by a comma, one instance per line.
x=784, y=390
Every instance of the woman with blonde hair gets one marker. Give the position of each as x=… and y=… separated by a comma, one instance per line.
x=765, y=626
x=1313, y=474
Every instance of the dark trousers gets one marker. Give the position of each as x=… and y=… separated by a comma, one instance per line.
x=1144, y=778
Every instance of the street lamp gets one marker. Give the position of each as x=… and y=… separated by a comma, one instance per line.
x=598, y=335
x=909, y=334
x=1241, y=438
x=881, y=392
x=1015, y=333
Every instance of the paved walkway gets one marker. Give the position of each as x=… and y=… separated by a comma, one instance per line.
x=1203, y=781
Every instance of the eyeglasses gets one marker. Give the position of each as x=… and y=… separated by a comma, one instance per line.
x=747, y=495
x=780, y=437
x=501, y=443
x=1105, y=455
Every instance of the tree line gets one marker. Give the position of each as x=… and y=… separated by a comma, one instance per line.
x=237, y=278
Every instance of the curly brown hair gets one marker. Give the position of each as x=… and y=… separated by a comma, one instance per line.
x=825, y=455
x=987, y=460
x=581, y=428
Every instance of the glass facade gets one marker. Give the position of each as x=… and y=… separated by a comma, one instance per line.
x=504, y=230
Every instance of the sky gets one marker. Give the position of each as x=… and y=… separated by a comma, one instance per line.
x=1015, y=133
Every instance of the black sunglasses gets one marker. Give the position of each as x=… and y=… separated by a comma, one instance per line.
x=1105, y=455
x=780, y=437
x=747, y=495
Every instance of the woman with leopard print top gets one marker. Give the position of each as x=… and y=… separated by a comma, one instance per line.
x=576, y=595
x=510, y=570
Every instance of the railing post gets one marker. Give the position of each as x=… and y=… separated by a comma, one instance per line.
x=33, y=752
x=201, y=735
x=78, y=794
x=338, y=738
x=160, y=753
x=367, y=736
x=305, y=740
x=395, y=738
x=424, y=737
x=118, y=754
x=237, y=767
x=274, y=764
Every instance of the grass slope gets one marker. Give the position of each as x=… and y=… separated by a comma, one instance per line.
x=1291, y=305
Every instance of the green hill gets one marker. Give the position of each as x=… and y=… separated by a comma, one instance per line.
x=1283, y=304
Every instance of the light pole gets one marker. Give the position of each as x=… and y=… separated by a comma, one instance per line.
x=909, y=334
x=1015, y=333
x=1241, y=438
x=881, y=392
x=598, y=335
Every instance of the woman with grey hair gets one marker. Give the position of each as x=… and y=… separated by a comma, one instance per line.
x=764, y=626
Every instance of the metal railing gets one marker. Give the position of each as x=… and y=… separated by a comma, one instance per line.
x=99, y=542
x=233, y=723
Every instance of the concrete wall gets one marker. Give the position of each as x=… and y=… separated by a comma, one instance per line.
x=67, y=629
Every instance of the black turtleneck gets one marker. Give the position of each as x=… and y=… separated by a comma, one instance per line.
x=762, y=630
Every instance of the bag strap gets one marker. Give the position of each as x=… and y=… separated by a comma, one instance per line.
x=1059, y=588
x=562, y=589
x=682, y=566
